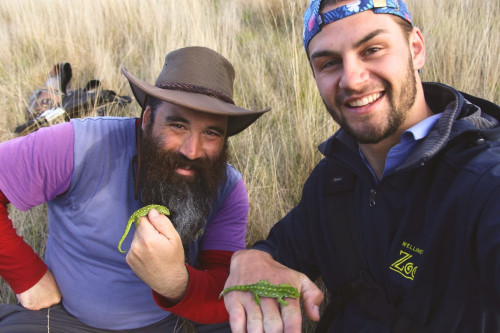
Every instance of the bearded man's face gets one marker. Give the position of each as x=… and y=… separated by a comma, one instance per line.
x=169, y=177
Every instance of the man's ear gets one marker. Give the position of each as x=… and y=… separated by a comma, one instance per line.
x=417, y=48
x=146, y=117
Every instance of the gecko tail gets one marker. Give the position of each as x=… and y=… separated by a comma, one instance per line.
x=120, y=249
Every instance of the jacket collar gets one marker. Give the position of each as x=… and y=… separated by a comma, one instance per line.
x=461, y=112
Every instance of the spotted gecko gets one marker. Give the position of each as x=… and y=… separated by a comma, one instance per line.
x=135, y=218
x=264, y=288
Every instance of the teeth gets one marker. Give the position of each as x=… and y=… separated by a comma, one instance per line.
x=365, y=100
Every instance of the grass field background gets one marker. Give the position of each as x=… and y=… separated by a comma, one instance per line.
x=262, y=39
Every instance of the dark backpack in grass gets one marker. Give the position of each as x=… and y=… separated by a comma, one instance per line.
x=56, y=102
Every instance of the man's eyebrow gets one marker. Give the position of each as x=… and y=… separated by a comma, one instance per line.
x=177, y=118
x=329, y=53
x=322, y=53
x=371, y=35
x=217, y=129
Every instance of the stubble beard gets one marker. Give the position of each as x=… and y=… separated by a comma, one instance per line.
x=399, y=108
x=188, y=198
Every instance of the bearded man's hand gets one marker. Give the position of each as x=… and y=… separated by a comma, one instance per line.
x=157, y=256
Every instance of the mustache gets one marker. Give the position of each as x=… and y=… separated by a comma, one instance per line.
x=178, y=160
x=340, y=98
x=161, y=165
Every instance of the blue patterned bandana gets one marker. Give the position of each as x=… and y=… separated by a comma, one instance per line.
x=314, y=20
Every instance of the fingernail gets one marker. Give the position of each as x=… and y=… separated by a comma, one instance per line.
x=154, y=213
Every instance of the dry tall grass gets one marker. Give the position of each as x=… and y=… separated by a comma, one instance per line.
x=261, y=38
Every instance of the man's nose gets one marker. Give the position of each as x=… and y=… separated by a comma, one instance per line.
x=191, y=147
x=354, y=74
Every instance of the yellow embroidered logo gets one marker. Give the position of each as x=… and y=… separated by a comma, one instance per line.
x=404, y=265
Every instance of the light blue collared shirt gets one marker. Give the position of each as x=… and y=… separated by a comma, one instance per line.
x=409, y=140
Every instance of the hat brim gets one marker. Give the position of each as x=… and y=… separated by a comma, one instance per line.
x=238, y=118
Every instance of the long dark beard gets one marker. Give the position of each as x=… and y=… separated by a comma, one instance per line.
x=188, y=198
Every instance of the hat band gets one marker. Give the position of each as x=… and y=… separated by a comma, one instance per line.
x=197, y=89
x=391, y=7
x=314, y=21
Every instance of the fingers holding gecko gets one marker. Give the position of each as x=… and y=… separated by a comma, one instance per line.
x=248, y=316
x=264, y=312
x=271, y=315
x=135, y=218
x=163, y=225
x=156, y=231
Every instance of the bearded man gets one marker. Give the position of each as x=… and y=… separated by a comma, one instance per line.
x=94, y=173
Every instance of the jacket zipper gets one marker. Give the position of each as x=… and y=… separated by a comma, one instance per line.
x=373, y=193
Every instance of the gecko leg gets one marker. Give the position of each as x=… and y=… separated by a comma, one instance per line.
x=257, y=298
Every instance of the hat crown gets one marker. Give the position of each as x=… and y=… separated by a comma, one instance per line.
x=199, y=79
x=200, y=67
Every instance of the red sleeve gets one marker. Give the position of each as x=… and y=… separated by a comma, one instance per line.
x=20, y=266
x=201, y=304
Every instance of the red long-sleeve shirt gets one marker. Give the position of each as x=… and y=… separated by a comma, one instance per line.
x=205, y=285
x=20, y=266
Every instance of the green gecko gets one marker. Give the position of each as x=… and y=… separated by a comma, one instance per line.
x=265, y=288
x=135, y=218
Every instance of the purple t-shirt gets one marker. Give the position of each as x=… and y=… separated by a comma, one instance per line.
x=83, y=170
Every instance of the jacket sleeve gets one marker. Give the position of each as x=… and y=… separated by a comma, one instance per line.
x=295, y=240
x=484, y=234
x=201, y=304
x=20, y=266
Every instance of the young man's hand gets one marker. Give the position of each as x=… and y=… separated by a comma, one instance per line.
x=250, y=266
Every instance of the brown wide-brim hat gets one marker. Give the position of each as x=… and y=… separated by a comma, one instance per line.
x=197, y=78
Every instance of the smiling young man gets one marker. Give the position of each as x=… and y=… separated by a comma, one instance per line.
x=400, y=219
x=368, y=80
x=94, y=173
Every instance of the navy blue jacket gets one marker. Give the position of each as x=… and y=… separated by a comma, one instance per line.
x=430, y=232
